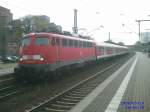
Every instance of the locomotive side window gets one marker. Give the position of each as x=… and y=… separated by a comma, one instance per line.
x=25, y=41
x=64, y=42
x=41, y=41
x=71, y=43
x=53, y=41
x=102, y=49
x=57, y=41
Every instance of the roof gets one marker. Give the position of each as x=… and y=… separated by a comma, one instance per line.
x=60, y=36
x=110, y=45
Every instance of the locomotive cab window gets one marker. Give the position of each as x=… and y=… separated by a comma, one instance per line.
x=41, y=41
x=25, y=41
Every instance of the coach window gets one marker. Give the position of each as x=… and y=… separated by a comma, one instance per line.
x=91, y=44
x=84, y=44
x=75, y=43
x=99, y=49
x=80, y=44
x=88, y=44
x=102, y=49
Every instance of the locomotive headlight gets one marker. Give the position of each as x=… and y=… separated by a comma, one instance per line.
x=41, y=59
x=20, y=59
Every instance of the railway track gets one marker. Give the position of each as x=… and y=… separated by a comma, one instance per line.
x=64, y=101
x=8, y=91
x=7, y=86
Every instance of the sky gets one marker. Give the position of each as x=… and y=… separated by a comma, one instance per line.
x=116, y=16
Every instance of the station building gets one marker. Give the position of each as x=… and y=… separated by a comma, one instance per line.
x=145, y=37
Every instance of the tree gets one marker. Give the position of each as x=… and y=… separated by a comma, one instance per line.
x=121, y=43
x=67, y=33
x=55, y=28
x=26, y=24
x=40, y=23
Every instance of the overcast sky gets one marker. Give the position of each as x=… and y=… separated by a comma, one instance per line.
x=91, y=14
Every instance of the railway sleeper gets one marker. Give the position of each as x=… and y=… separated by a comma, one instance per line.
x=73, y=94
x=61, y=106
x=70, y=100
x=73, y=97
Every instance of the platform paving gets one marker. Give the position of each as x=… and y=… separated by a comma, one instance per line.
x=128, y=91
x=137, y=95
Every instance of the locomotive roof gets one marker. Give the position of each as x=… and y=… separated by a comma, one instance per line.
x=110, y=45
x=60, y=36
x=77, y=38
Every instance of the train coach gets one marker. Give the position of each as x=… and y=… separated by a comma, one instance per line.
x=44, y=53
x=107, y=50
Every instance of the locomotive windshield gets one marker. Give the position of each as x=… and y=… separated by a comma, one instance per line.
x=42, y=41
x=26, y=41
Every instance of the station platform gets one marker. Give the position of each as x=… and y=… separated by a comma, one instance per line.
x=126, y=90
x=6, y=71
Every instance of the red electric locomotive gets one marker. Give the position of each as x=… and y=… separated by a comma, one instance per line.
x=41, y=53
